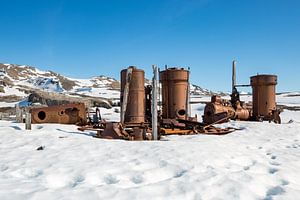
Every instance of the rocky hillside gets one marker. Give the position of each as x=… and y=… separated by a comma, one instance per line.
x=20, y=80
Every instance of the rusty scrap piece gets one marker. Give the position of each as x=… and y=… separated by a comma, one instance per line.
x=114, y=130
x=264, y=98
x=62, y=114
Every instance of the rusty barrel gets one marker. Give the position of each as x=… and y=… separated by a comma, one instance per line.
x=263, y=95
x=174, y=93
x=135, y=111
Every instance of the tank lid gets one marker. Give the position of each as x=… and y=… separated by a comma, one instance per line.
x=264, y=75
x=176, y=69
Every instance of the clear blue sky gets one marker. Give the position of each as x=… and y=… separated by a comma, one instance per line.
x=84, y=38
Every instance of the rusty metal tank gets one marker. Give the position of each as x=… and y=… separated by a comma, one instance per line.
x=263, y=95
x=174, y=93
x=135, y=110
x=62, y=114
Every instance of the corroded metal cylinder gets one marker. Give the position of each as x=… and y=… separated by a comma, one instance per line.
x=174, y=93
x=217, y=110
x=263, y=95
x=63, y=114
x=135, y=110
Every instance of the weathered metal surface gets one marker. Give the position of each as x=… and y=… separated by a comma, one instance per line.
x=63, y=114
x=114, y=130
x=219, y=109
x=263, y=96
x=174, y=93
x=135, y=111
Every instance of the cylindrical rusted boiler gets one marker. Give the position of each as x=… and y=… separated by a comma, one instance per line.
x=217, y=110
x=263, y=95
x=135, y=110
x=174, y=93
x=222, y=110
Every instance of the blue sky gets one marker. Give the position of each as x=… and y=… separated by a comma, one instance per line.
x=84, y=38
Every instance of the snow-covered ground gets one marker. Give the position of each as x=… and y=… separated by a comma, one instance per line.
x=261, y=161
x=248, y=164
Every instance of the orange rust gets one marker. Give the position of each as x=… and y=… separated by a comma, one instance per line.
x=218, y=109
x=135, y=112
x=263, y=95
x=174, y=93
x=62, y=114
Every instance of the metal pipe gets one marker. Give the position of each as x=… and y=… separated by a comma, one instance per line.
x=242, y=85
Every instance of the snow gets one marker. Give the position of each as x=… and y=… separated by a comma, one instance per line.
x=6, y=104
x=260, y=161
x=12, y=91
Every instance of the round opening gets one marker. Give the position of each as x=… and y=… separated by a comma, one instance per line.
x=61, y=112
x=181, y=112
x=41, y=115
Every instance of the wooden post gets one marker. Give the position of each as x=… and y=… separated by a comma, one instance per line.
x=27, y=119
x=19, y=114
x=154, y=102
x=188, y=105
x=126, y=94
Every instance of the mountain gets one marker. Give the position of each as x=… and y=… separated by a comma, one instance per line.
x=18, y=81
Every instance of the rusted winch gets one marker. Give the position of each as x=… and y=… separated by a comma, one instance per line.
x=220, y=110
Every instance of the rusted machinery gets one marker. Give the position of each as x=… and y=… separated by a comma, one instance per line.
x=63, y=114
x=263, y=102
x=222, y=110
x=264, y=98
x=133, y=125
x=133, y=95
x=139, y=109
x=174, y=82
x=175, y=106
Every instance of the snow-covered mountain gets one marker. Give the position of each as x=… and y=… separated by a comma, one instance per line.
x=19, y=80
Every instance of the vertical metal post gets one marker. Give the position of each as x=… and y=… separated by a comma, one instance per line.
x=233, y=76
x=27, y=119
x=126, y=94
x=154, y=102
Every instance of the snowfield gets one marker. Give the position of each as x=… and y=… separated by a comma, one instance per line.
x=261, y=161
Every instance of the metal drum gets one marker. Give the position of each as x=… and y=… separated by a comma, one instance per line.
x=263, y=95
x=174, y=93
